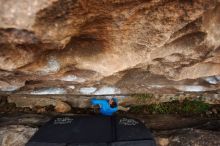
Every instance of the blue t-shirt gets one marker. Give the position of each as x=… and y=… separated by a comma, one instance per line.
x=105, y=107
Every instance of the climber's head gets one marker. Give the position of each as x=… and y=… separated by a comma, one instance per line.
x=112, y=103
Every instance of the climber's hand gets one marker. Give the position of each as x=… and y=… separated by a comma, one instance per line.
x=125, y=109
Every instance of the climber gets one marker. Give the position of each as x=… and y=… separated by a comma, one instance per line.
x=108, y=106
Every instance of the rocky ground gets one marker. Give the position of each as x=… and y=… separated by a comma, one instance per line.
x=18, y=134
x=192, y=123
x=17, y=129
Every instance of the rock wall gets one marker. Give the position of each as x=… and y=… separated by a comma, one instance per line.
x=109, y=46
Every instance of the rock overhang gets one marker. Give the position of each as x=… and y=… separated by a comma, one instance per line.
x=124, y=46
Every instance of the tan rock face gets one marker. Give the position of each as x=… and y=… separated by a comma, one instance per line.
x=13, y=56
x=20, y=14
x=97, y=44
x=59, y=106
x=16, y=135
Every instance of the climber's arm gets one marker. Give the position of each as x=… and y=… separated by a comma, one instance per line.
x=97, y=102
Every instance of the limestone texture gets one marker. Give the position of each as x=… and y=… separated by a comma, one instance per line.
x=59, y=106
x=193, y=137
x=113, y=46
x=16, y=135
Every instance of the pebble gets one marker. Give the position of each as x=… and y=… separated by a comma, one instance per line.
x=214, y=111
x=62, y=107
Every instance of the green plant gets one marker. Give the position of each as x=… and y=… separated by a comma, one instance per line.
x=162, y=108
x=195, y=106
x=137, y=109
x=184, y=107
